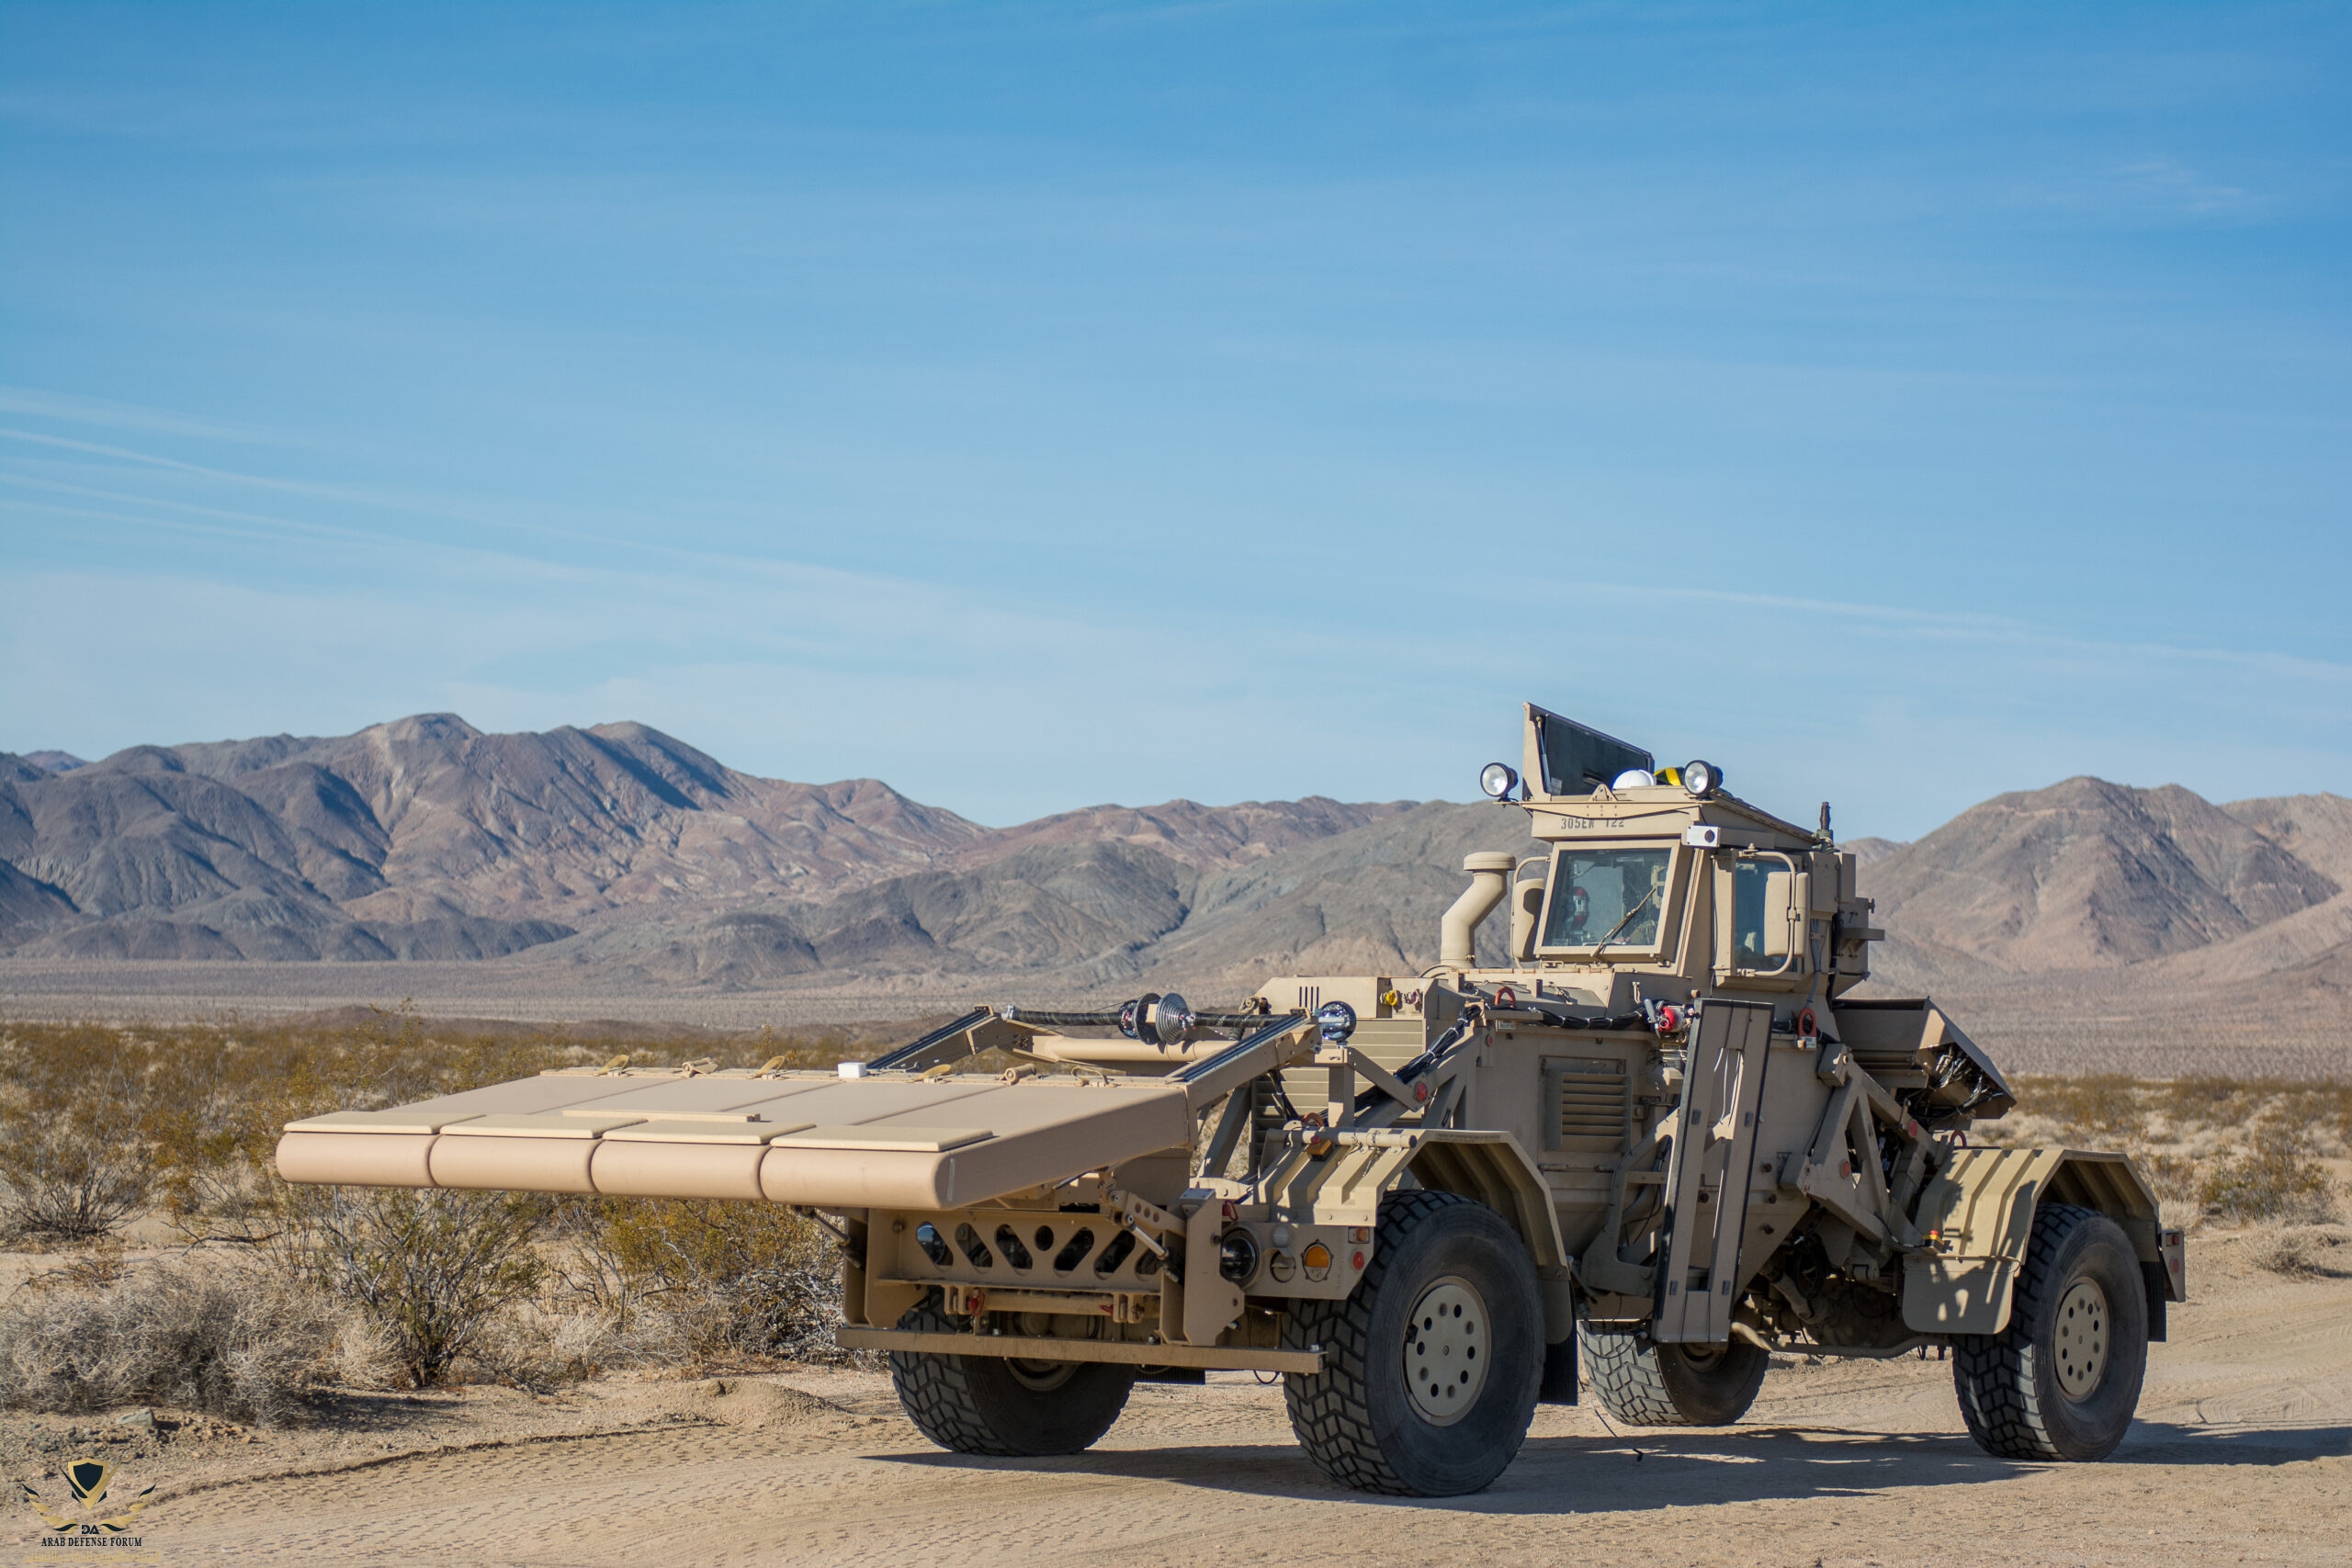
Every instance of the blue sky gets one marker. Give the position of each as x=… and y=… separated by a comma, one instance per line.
x=1044, y=405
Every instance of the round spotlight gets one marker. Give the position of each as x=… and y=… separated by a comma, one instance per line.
x=1132, y=1014
x=1498, y=780
x=1336, y=1020
x=1701, y=779
x=1633, y=778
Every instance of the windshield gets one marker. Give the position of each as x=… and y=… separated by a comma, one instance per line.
x=1615, y=896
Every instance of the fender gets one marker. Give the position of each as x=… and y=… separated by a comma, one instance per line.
x=1492, y=1168
x=1977, y=1216
x=1344, y=1188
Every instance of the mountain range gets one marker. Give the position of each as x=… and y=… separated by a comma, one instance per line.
x=2148, y=917
x=428, y=839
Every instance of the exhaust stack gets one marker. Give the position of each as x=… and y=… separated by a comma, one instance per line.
x=1488, y=871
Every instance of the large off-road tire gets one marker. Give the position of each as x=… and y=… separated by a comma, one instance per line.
x=1647, y=1384
x=2062, y=1382
x=988, y=1404
x=1432, y=1366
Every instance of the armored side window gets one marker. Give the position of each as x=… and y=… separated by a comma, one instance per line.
x=1765, y=932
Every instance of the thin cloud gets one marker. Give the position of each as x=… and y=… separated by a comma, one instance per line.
x=68, y=409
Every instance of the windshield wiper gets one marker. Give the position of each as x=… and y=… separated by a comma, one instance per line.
x=1628, y=920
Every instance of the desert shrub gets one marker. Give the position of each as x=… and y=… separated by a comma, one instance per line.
x=2322, y=1109
x=735, y=1279
x=2175, y=1178
x=66, y=1181
x=540, y=1348
x=2305, y=1254
x=230, y=1340
x=2276, y=1176
x=430, y=1269
x=74, y=1158
x=2105, y=1107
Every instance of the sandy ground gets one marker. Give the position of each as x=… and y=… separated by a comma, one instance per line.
x=2243, y=1454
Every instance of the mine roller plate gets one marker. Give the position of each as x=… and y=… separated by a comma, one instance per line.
x=807, y=1138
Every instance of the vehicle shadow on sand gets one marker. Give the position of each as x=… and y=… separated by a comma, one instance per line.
x=367, y=1411
x=1679, y=1469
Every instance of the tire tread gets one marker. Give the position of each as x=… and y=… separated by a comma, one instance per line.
x=1995, y=1373
x=1627, y=1380
x=937, y=1395
x=1328, y=1410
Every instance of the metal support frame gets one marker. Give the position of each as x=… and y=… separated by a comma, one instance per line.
x=1126, y=1352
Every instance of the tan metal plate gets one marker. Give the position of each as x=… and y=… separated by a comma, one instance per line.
x=410, y=1121
x=541, y=1126
x=1220, y=1358
x=680, y=1129
x=909, y=1140
x=665, y=1115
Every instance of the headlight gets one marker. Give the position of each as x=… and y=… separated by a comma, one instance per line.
x=1701, y=779
x=1498, y=780
x=1236, y=1256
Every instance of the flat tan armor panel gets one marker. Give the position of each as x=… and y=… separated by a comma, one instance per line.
x=818, y=1139
x=889, y=1136
x=411, y=1121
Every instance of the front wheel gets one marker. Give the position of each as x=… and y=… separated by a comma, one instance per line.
x=1432, y=1366
x=2062, y=1382
x=991, y=1404
x=1647, y=1384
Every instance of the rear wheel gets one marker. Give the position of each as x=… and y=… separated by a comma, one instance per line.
x=1431, y=1368
x=2062, y=1382
x=1647, y=1384
x=991, y=1405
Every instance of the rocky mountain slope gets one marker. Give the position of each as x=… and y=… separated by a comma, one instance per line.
x=2092, y=926
x=429, y=838
x=1090, y=914
x=2086, y=873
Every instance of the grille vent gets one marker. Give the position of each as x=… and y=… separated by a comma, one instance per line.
x=1594, y=1104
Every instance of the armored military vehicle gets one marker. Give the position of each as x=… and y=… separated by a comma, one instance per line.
x=1652, y=1141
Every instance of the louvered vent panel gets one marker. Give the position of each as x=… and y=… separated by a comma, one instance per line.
x=1594, y=1100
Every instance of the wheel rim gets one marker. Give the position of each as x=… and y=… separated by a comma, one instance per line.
x=2079, y=1343
x=1700, y=1358
x=1041, y=1377
x=1447, y=1350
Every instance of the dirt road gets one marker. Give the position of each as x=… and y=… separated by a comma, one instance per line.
x=2244, y=1454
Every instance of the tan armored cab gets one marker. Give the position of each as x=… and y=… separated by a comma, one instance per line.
x=1654, y=1140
